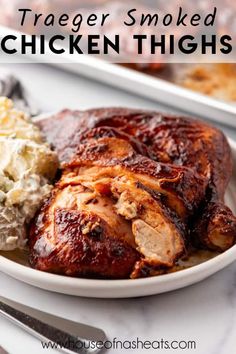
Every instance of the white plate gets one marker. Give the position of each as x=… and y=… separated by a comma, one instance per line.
x=126, y=288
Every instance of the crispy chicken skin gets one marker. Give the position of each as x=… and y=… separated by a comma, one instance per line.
x=80, y=244
x=143, y=183
x=216, y=229
x=169, y=139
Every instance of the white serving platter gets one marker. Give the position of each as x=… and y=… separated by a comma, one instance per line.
x=155, y=89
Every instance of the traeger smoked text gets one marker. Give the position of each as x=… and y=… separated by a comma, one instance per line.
x=151, y=34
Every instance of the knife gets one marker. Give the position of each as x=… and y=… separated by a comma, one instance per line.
x=69, y=336
x=3, y=351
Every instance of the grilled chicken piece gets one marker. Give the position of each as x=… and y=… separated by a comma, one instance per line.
x=136, y=187
x=133, y=202
x=184, y=142
x=167, y=139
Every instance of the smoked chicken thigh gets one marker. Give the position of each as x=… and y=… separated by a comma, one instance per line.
x=130, y=198
x=137, y=188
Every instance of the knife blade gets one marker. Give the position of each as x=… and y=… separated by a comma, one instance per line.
x=3, y=351
x=70, y=336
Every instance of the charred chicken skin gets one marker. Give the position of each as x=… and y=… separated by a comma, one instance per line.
x=137, y=188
